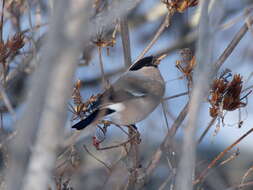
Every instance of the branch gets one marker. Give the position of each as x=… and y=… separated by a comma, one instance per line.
x=125, y=41
x=237, y=38
x=207, y=129
x=202, y=74
x=164, y=25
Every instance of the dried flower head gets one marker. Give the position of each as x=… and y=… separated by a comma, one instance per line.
x=226, y=95
x=102, y=42
x=179, y=5
x=81, y=108
x=11, y=47
x=16, y=42
x=186, y=64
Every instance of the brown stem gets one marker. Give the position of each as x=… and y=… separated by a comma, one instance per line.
x=104, y=80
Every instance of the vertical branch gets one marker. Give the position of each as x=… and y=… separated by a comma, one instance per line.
x=125, y=41
x=34, y=49
x=46, y=106
x=202, y=74
x=2, y=22
x=133, y=155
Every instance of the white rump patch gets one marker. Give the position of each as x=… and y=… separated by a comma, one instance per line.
x=117, y=107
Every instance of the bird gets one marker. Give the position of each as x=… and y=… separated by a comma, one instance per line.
x=131, y=98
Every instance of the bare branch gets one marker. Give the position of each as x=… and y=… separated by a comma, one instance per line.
x=202, y=74
x=176, y=96
x=125, y=41
x=164, y=25
x=237, y=38
x=7, y=102
x=206, y=130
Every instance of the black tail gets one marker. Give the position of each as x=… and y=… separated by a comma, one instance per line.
x=92, y=117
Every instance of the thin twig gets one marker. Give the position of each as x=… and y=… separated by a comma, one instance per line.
x=166, y=142
x=186, y=41
x=165, y=183
x=237, y=187
x=237, y=38
x=104, y=80
x=246, y=175
x=176, y=96
x=212, y=164
x=7, y=102
x=165, y=115
x=207, y=129
x=231, y=157
x=100, y=161
x=118, y=145
x=164, y=25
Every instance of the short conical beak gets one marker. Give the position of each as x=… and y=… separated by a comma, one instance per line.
x=159, y=58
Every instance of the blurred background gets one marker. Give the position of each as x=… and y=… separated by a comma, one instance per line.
x=24, y=29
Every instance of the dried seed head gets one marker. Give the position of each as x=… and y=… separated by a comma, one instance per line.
x=16, y=42
x=213, y=111
x=226, y=94
x=179, y=5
